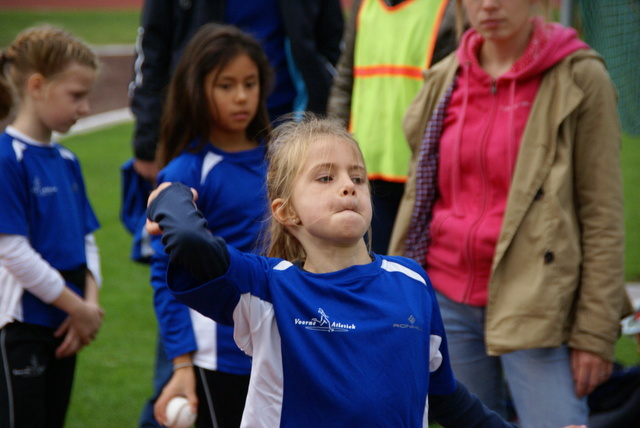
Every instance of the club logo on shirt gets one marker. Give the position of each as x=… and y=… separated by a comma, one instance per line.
x=324, y=323
x=412, y=324
x=40, y=190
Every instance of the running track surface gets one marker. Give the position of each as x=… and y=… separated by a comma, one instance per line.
x=85, y=4
x=110, y=91
x=70, y=4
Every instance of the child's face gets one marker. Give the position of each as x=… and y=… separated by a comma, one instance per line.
x=331, y=201
x=233, y=94
x=65, y=99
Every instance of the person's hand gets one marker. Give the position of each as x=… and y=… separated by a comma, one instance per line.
x=589, y=371
x=153, y=228
x=79, y=328
x=182, y=382
x=146, y=169
x=71, y=343
x=85, y=320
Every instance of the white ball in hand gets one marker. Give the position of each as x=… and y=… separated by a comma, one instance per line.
x=179, y=414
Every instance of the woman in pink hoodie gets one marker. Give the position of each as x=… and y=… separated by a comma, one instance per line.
x=514, y=207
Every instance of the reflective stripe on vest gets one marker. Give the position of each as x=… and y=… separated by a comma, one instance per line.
x=392, y=47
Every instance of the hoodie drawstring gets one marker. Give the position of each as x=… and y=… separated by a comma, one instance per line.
x=511, y=143
x=456, y=171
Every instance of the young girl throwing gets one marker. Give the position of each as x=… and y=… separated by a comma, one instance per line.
x=339, y=336
x=49, y=264
x=212, y=139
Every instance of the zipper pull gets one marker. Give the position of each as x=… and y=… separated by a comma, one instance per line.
x=494, y=87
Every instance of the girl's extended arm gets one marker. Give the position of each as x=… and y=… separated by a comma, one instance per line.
x=186, y=239
x=463, y=409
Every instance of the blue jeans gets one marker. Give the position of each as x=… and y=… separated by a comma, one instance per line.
x=540, y=381
x=163, y=370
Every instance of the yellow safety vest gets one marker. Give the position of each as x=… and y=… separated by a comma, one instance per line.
x=392, y=47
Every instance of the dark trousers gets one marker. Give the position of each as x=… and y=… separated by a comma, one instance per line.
x=35, y=386
x=221, y=398
x=385, y=197
x=162, y=371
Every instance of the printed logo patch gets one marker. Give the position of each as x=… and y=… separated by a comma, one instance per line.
x=412, y=324
x=41, y=190
x=324, y=324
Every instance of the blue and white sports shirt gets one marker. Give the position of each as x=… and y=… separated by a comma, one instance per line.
x=232, y=196
x=361, y=347
x=43, y=197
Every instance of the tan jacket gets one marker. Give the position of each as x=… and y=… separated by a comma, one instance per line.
x=558, y=270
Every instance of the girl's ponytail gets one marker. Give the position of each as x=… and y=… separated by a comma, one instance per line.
x=6, y=93
x=46, y=50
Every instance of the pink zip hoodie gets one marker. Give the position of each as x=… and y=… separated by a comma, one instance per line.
x=478, y=149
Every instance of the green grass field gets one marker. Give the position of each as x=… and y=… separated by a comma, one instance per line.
x=94, y=27
x=631, y=177
x=114, y=373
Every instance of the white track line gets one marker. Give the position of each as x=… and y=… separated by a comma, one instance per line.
x=107, y=119
x=97, y=122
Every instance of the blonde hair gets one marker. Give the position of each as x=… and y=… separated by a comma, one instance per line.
x=462, y=21
x=46, y=50
x=287, y=153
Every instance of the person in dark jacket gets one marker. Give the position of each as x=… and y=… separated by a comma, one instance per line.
x=301, y=39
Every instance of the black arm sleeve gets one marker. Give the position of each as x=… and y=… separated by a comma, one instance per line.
x=314, y=28
x=151, y=75
x=461, y=409
x=187, y=240
x=165, y=28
